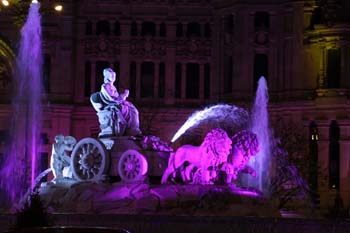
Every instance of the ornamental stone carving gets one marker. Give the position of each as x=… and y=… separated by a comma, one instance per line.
x=193, y=48
x=148, y=46
x=102, y=45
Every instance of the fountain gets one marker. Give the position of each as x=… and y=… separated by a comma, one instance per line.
x=27, y=118
x=260, y=126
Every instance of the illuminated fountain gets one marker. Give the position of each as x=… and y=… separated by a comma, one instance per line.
x=27, y=118
x=260, y=126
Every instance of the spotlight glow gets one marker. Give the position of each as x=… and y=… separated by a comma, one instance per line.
x=58, y=8
x=35, y=1
x=5, y=2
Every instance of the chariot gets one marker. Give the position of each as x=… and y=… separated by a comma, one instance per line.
x=130, y=158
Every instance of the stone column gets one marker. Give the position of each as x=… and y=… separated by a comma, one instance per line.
x=183, y=81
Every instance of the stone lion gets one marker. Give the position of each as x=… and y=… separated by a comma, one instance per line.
x=204, y=158
x=244, y=145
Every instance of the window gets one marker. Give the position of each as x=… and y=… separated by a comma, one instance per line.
x=147, y=79
x=229, y=24
x=87, y=86
x=178, y=80
x=100, y=66
x=207, y=81
x=333, y=68
x=117, y=28
x=46, y=72
x=133, y=79
x=148, y=29
x=162, y=30
x=161, y=85
x=44, y=139
x=88, y=28
x=133, y=29
x=192, y=81
x=207, y=30
x=334, y=155
x=44, y=163
x=103, y=27
x=179, y=30
x=193, y=29
x=261, y=20
x=228, y=74
x=116, y=68
x=260, y=68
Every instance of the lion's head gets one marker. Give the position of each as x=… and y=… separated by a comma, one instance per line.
x=247, y=142
x=217, y=145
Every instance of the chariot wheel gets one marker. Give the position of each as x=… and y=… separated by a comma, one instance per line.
x=89, y=160
x=132, y=166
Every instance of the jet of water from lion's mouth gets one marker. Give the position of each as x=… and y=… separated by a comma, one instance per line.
x=217, y=113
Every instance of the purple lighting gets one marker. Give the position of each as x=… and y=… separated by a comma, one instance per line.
x=260, y=126
x=26, y=125
x=217, y=113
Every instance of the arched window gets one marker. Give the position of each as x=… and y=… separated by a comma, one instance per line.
x=334, y=155
x=100, y=66
x=261, y=68
x=87, y=84
x=148, y=28
x=133, y=79
x=147, y=79
x=261, y=20
x=46, y=72
x=333, y=68
x=228, y=74
x=161, y=85
x=179, y=30
x=162, y=30
x=207, y=30
x=116, y=68
x=192, y=81
x=207, y=81
x=88, y=28
x=117, y=28
x=133, y=29
x=193, y=29
x=103, y=27
x=178, y=81
x=229, y=23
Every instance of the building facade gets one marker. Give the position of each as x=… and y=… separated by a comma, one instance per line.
x=176, y=57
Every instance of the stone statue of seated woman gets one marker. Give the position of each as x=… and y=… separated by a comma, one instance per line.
x=116, y=115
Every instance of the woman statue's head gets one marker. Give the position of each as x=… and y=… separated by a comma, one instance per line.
x=109, y=75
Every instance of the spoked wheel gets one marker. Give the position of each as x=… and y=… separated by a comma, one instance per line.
x=89, y=160
x=132, y=166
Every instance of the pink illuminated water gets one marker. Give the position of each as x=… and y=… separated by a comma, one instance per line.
x=260, y=126
x=230, y=114
x=25, y=130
